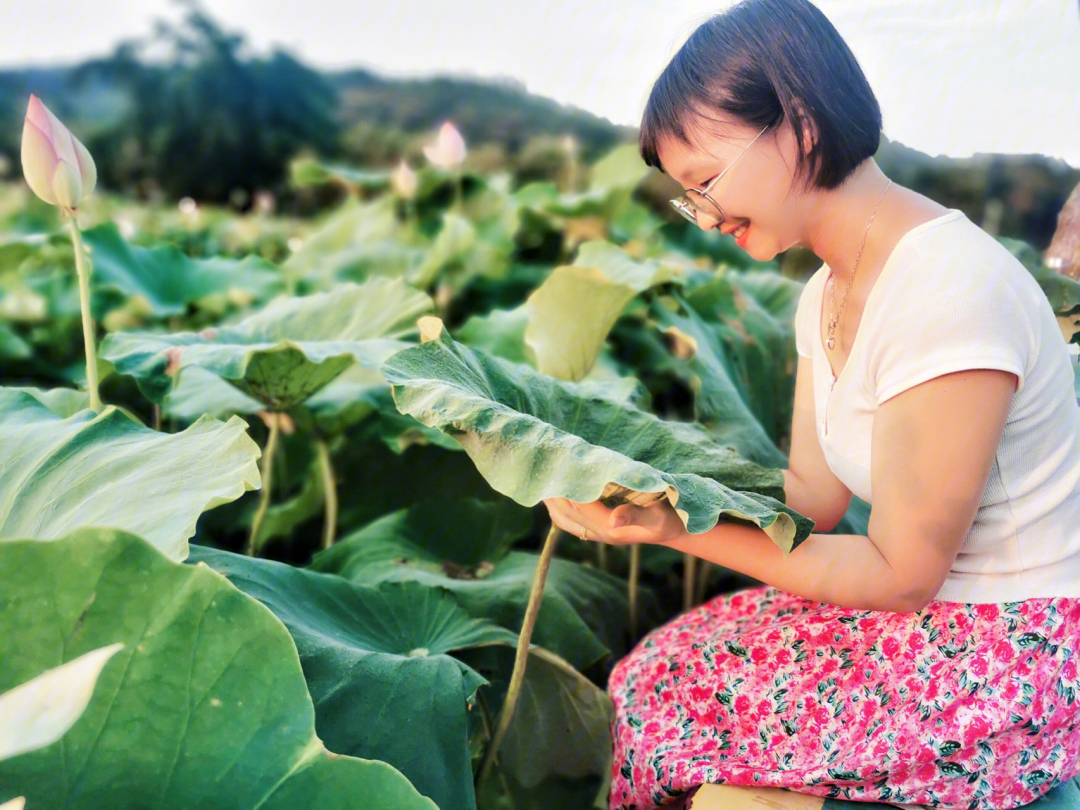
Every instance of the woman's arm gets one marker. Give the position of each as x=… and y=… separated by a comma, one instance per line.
x=932, y=450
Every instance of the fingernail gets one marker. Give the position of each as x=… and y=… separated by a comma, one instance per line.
x=618, y=522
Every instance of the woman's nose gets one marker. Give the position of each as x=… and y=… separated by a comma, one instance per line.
x=705, y=222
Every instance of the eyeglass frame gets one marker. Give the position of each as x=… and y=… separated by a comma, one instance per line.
x=689, y=210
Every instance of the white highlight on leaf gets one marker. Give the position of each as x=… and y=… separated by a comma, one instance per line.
x=40, y=711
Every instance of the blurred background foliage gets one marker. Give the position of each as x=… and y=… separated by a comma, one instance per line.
x=192, y=111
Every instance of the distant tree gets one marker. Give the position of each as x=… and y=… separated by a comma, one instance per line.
x=209, y=119
x=11, y=100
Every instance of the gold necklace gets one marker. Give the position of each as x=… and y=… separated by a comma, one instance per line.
x=832, y=298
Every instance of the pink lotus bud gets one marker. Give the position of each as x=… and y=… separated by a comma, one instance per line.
x=403, y=179
x=57, y=167
x=449, y=151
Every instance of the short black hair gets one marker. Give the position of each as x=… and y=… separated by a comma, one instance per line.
x=762, y=61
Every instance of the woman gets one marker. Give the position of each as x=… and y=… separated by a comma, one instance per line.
x=932, y=660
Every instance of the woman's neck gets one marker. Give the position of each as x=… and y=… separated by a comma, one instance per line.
x=839, y=218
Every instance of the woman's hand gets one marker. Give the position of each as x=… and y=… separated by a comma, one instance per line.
x=657, y=523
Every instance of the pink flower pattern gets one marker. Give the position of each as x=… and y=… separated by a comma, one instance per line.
x=965, y=706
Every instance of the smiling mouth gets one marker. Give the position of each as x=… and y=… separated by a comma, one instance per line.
x=740, y=231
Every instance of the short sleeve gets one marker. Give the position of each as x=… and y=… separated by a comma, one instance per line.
x=804, y=325
x=946, y=326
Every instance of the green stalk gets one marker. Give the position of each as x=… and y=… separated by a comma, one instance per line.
x=84, y=304
x=689, y=581
x=521, y=655
x=601, y=556
x=459, y=192
x=267, y=477
x=635, y=575
x=702, y=581
x=326, y=465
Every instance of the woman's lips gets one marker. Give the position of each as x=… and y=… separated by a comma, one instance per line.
x=740, y=234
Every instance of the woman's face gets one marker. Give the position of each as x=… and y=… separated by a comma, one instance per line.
x=759, y=198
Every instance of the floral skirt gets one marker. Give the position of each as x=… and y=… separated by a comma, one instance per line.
x=967, y=706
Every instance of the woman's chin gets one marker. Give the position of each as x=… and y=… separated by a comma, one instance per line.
x=755, y=252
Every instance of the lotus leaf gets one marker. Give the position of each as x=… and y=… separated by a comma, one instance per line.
x=377, y=667
x=718, y=402
x=462, y=545
x=205, y=706
x=355, y=241
x=57, y=474
x=533, y=437
x=560, y=737
x=284, y=353
x=167, y=279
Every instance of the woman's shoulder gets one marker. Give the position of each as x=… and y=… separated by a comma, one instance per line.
x=953, y=243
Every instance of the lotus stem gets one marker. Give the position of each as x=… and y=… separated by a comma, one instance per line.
x=601, y=556
x=83, y=272
x=635, y=574
x=459, y=192
x=157, y=417
x=267, y=471
x=521, y=655
x=689, y=581
x=485, y=718
x=702, y=581
x=326, y=466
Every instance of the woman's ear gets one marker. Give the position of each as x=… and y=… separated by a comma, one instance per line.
x=804, y=123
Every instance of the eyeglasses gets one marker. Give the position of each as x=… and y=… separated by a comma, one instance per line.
x=697, y=200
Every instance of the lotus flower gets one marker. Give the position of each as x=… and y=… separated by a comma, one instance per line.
x=449, y=151
x=58, y=168
x=403, y=179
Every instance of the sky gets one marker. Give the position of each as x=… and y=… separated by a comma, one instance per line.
x=954, y=77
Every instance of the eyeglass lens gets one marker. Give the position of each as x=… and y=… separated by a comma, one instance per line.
x=703, y=206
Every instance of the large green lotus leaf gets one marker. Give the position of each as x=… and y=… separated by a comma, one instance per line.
x=361, y=393
x=167, y=279
x=377, y=666
x=64, y=402
x=559, y=740
x=284, y=353
x=534, y=437
x=758, y=349
x=571, y=313
x=621, y=168
x=205, y=706
x=455, y=239
x=776, y=294
x=570, y=316
x=199, y=391
x=718, y=402
x=621, y=268
x=461, y=545
x=356, y=241
x=58, y=474
x=500, y=332
x=374, y=480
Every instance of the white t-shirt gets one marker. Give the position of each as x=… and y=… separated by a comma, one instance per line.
x=950, y=297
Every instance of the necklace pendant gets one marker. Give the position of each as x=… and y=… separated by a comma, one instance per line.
x=830, y=343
